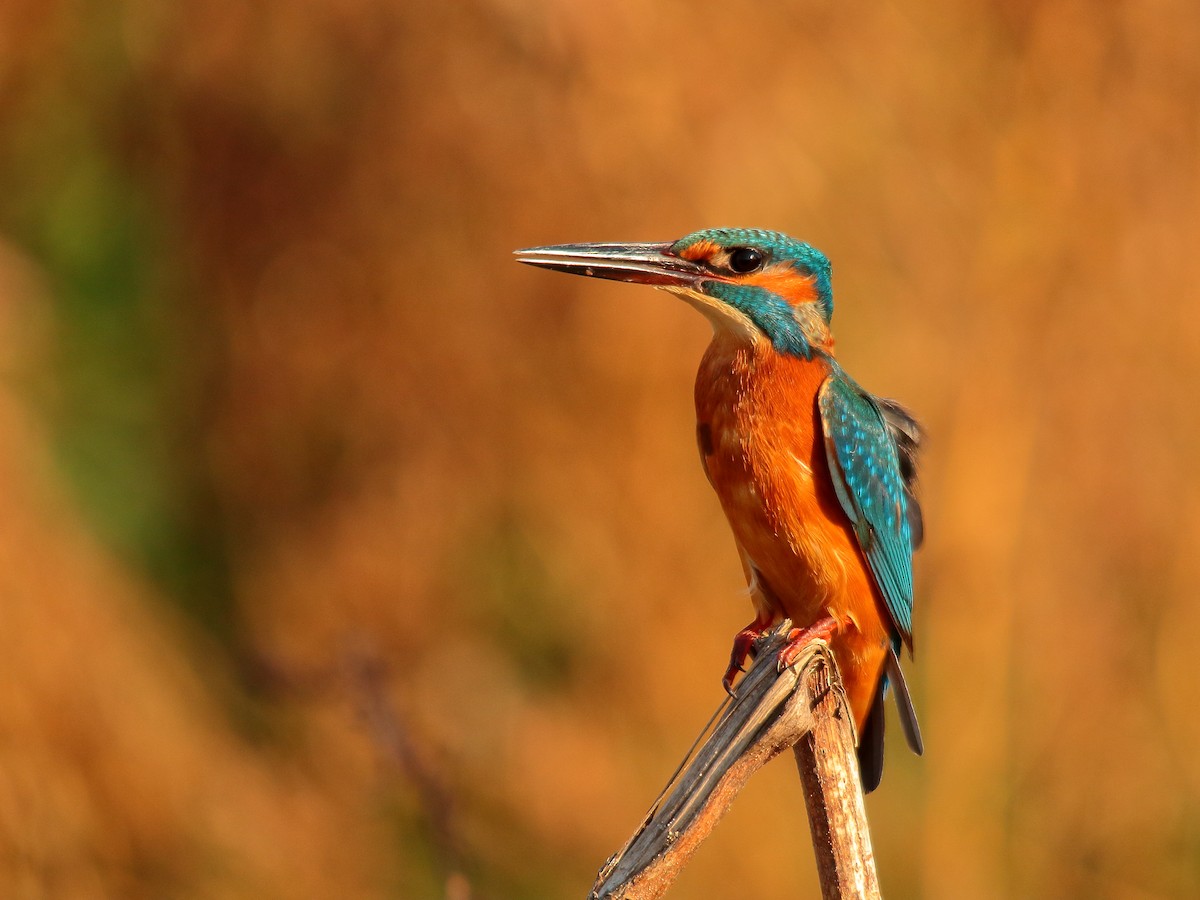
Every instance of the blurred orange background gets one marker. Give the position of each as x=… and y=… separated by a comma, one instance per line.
x=342, y=557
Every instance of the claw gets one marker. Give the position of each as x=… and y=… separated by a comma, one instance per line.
x=730, y=674
x=743, y=644
x=799, y=638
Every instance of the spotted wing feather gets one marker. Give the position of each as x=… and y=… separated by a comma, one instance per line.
x=907, y=435
x=867, y=475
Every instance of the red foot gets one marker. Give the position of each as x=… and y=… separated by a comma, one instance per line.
x=742, y=645
x=799, y=638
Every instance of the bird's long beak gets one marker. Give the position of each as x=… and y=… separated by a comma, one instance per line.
x=639, y=263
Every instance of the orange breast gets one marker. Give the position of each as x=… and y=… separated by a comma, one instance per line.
x=764, y=453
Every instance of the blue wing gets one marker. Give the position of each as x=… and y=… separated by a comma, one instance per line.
x=867, y=475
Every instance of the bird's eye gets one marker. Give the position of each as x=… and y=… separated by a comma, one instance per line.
x=745, y=259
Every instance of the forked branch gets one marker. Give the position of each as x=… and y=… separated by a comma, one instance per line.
x=803, y=707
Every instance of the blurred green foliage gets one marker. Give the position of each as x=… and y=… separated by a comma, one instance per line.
x=107, y=248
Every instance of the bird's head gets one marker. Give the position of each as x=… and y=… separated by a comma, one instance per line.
x=756, y=284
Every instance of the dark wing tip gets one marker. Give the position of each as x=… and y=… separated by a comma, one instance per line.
x=904, y=704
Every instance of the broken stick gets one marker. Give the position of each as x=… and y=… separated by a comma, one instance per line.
x=803, y=707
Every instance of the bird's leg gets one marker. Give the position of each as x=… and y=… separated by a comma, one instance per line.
x=743, y=643
x=799, y=638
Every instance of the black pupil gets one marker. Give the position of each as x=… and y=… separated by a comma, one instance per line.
x=745, y=259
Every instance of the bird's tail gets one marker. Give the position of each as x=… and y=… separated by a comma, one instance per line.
x=870, y=741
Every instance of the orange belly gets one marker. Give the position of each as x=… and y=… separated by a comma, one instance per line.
x=764, y=454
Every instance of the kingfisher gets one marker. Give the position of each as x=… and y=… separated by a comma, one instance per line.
x=815, y=475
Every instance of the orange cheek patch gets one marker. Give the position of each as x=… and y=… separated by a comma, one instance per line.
x=699, y=250
x=784, y=281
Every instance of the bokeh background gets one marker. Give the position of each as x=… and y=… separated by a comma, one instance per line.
x=342, y=557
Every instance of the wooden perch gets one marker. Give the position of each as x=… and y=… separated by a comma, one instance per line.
x=803, y=707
